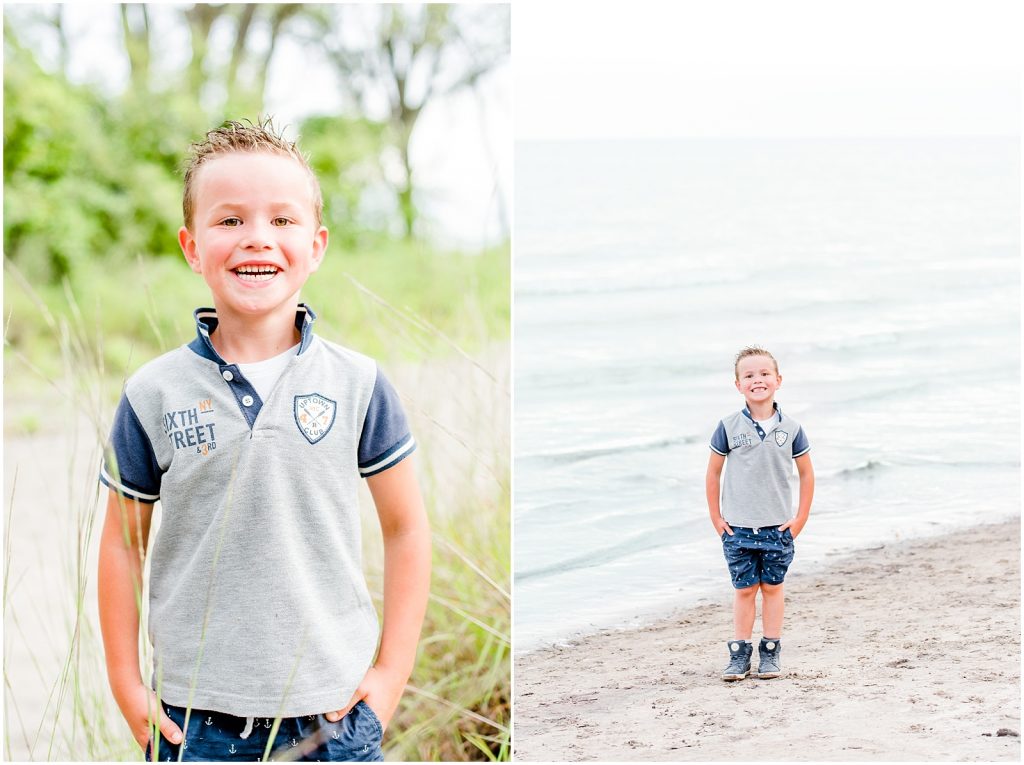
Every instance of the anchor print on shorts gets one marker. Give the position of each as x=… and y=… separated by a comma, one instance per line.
x=314, y=414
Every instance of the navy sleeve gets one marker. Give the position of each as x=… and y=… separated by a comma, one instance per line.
x=385, y=440
x=129, y=463
x=800, y=445
x=719, y=441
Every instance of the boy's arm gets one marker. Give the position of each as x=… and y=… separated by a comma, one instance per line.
x=406, y=532
x=806, y=473
x=713, y=488
x=122, y=553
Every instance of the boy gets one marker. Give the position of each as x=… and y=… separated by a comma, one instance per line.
x=757, y=526
x=254, y=436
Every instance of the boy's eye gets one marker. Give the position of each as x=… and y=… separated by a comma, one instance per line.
x=231, y=222
x=279, y=221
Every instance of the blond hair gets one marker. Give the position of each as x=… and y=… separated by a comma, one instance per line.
x=234, y=137
x=753, y=350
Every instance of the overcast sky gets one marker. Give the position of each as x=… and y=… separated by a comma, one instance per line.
x=781, y=68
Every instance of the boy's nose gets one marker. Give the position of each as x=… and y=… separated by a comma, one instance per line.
x=257, y=239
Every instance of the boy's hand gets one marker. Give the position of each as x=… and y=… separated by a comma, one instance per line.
x=380, y=690
x=721, y=525
x=795, y=526
x=137, y=704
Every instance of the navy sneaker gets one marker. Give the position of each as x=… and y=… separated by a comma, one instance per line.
x=768, y=658
x=740, y=652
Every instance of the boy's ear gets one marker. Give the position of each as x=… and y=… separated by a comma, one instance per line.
x=188, y=248
x=319, y=247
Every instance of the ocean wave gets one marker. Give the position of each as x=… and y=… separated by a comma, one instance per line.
x=865, y=468
x=881, y=394
x=648, y=540
x=873, y=467
x=569, y=456
x=625, y=371
x=910, y=340
x=922, y=460
x=619, y=288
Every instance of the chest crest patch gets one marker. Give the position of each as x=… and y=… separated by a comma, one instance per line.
x=781, y=436
x=314, y=414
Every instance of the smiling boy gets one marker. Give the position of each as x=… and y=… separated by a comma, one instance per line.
x=752, y=512
x=254, y=437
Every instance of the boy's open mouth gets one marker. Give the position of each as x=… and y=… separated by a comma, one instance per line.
x=255, y=273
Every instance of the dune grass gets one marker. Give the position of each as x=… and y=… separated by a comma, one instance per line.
x=129, y=312
x=435, y=321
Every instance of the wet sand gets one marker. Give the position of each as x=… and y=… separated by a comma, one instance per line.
x=910, y=651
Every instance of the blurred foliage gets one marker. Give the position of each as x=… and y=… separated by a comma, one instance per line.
x=365, y=298
x=408, y=56
x=91, y=178
x=80, y=181
x=95, y=284
x=89, y=175
x=92, y=203
x=344, y=155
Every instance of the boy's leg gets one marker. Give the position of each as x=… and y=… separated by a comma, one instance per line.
x=770, y=648
x=743, y=559
x=778, y=554
x=744, y=611
x=772, y=607
x=743, y=569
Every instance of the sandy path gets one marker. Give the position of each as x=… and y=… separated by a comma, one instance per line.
x=907, y=652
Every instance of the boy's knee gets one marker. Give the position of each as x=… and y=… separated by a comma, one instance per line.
x=770, y=589
x=748, y=592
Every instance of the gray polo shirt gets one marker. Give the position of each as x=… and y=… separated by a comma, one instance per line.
x=756, y=490
x=257, y=596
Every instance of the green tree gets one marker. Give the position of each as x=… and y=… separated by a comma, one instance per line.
x=411, y=56
x=243, y=79
x=345, y=155
x=70, y=192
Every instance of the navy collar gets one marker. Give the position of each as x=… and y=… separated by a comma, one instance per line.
x=206, y=322
x=757, y=426
x=775, y=406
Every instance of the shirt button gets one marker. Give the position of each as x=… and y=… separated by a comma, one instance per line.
x=227, y=375
x=247, y=400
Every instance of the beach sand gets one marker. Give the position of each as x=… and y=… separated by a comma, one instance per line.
x=910, y=651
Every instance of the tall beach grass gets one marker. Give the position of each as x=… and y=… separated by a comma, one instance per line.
x=438, y=324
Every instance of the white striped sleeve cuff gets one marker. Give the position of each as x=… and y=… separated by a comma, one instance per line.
x=119, y=487
x=391, y=457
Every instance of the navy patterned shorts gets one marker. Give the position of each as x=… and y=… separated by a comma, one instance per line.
x=761, y=555
x=217, y=737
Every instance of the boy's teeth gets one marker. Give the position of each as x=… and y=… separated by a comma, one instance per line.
x=256, y=273
x=256, y=269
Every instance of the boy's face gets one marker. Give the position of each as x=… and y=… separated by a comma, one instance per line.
x=757, y=379
x=255, y=238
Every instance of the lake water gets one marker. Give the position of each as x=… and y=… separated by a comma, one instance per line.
x=884, y=275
